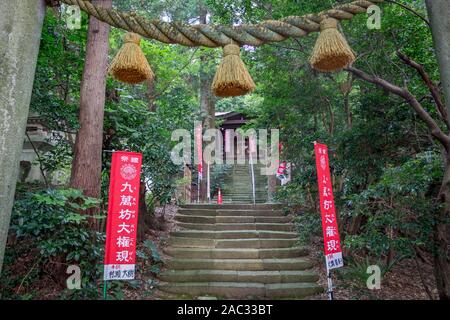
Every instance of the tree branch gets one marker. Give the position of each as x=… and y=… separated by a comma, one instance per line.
x=410, y=99
x=429, y=83
x=169, y=82
x=414, y=12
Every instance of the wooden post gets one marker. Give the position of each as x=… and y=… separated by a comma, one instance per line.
x=20, y=33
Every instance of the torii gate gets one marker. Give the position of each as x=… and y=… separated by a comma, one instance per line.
x=20, y=32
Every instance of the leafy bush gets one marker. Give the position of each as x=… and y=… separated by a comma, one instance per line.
x=398, y=209
x=151, y=257
x=308, y=224
x=49, y=225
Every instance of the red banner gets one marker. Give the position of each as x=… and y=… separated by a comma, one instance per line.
x=199, y=145
x=281, y=168
x=332, y=242
x=123, y=206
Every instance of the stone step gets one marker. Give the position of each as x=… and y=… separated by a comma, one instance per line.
x=234, y=234
x=232, y=187
x=249, y=200
x=240, y=264
x=230, y=219
x=231, y=212
x=244, y=197
x=244, y=194
x=246, y=168
x=248, y=191
x=237, y=226
x=212, y=253
x=245, y=177
x=243, y=289
x=247, y=182
x=242, y=201
x=244, y=191
x=238, y=276
x=237, y=250
x=237, y=206
x=255, y=243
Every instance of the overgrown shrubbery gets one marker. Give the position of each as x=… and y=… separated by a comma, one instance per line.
x=48, y=233
x=397, y=211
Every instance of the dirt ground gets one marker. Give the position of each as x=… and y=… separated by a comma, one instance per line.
x=402, y=282
x=159, y=238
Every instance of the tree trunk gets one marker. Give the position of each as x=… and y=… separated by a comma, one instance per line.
x=271, y=187
x=441, y=252
x=87, y=161
x=347, y=90
x=207, y=104
x=20, y=34
x=150, y=95
x=439, y=15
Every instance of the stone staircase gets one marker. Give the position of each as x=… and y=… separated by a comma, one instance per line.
x=238, y=185
x=237, y=251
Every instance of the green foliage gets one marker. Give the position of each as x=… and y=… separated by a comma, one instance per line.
x=52, y=219
x=400, y=201
x=48, y=226
x=308, y=224
x=58, y=74
x=357, y=274
x=150, y=245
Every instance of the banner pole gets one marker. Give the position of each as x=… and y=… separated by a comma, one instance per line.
x=253, y=178
x=330, y=285
x=208, y=186
x=198, y=188
x=105, y=286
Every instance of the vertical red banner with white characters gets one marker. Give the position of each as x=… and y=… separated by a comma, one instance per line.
x=199, y=146
x=332, y=242
x=122, y=220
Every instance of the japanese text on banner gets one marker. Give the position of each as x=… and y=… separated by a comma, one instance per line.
x=332, y=242
x=123, y=206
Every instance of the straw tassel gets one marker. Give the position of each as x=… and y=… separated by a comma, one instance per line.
x=232, y=78
x=130, y=64
x=331, y=52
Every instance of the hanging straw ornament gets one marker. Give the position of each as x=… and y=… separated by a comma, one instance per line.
x=331, y=52
x=130, y=64
x=232, y=78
